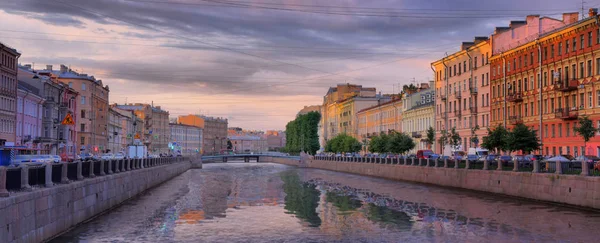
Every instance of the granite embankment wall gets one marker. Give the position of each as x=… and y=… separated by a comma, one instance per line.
x=575, y=190
x=43, y=213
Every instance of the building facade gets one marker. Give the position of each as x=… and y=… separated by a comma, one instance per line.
x=131, y=126
x=462, y=87
x=307, y=109
x=417, y=116
x=185, y=139
x=249, y=143
x=115, y=131
x=29, y=116
x=275, y=140
x=214, y=131
x=550, y=82
x=382, y=118
x=8, y=94
x=156, y=133
x=59, y=100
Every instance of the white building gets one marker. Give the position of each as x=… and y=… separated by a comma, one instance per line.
x=185, y=139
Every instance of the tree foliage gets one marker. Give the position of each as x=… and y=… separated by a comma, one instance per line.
x=522, y=138
x=474, y=138
x=302, y=133
x=496, y=139
x=586, y=130
x=430, y=136
x=343, y=143
x=454, y=138
x=378, y=144
x=399, y=143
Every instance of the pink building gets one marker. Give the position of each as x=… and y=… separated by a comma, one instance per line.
x=29, y=115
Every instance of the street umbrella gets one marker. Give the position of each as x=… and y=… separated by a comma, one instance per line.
x=558, y=158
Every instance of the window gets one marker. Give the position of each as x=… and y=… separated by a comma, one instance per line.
x=82, y=113
x=559, y=49
x=566, y=73
x=574, y=71
x=598, y=98
x=508, y=67
x=574, y=44
x=82, y=86
x=531, y=58
x=568, y=130
x=589, y=39
x=582, y=42
x=82, y=140
x=552, y=51
x=581, y=70
x=553, y=131
x=590, y=100
x=589, y=68
x=545, y=79
x=567, y=46
x=70, y=84
x=526, y=113
x=545, y=56
x=560, y=130
x=475, y=62
x=525, y=59
x=546, y=130
x=82, y=127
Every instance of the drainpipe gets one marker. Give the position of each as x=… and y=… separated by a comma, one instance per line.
x=540, y=92
x=23, y=116
x=504, y=90
x=446, y=93
x=470, y=85
x=434, y=106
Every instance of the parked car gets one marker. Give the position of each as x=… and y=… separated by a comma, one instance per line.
x=87, y=157
x=588, y=158
x=472, y=158
x=56, y=158
x=458, y=155
x=119, y=155
x=505, y=159
x=434, y=156
x=534, y=157
x=491, y=157
x=20, y=159
x=568, y=156
x=424, y=154
x=107, y=156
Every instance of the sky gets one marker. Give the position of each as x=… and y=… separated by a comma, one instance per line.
x=255, y=62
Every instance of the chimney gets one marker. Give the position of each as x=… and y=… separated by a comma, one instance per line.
x=593, y=12
x=49, y=67
x=63, y=68
x=569, y=18
x=466, y=45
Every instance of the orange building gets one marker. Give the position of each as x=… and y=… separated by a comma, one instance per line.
x=385, y=117
x=549, y=82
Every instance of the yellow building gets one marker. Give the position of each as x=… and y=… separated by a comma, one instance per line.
x=340, y=106
x=417, y=116
x=374, y=120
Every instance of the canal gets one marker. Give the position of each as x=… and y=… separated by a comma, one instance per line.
x=241, y=202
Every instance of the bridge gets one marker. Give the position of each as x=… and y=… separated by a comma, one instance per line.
x=247, y=157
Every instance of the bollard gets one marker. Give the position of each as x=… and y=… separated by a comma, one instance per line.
x=558, y=168
x=536, y=166
x=110, y=169
x=102, y=164
x=428, y=162
x=64, y=173
x=412, y=161
x=585, y=171
x=456, y=162
x=445, y=162
x=515, y=165
x=420, y=161
x=499, y=165
x=48, y=175
x=486, y=164
x=467, y=164
x=79, y=168
x=142, y=163
x=435, y=163
x=25, y=178
x=3, y=191
x=92, y=169
x=128, y=164
x=117, y=165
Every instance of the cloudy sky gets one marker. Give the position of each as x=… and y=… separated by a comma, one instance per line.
x=254, y=62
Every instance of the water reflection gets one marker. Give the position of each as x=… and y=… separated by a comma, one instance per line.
x=276, y=203
x=302, y=198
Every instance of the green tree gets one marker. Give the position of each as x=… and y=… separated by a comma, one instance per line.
x=378, y=144
x=343, y=143
x=586, y=130
x=302, y=133
x=454, y=138
x=496, y=139
x=443, y=140
x=522, y=138
x=430, y=136
x=399, y=143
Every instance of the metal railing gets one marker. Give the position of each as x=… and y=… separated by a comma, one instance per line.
x=569, y=168
x=26, y=177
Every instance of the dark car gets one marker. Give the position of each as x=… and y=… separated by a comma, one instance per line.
x=491, y=157
x=504, y=159
x=87, y=157
x=568, y=156
x=472, y=158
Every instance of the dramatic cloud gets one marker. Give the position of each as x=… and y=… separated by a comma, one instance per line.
x=255, y=62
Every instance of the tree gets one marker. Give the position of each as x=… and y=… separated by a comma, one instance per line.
x=343, y=144
x=399, y=143
x=522, y=138
x=430, y=136
x=379, y=143
x=474, y=138
x=443, y=140
x=496, y=139
x=229, y=145
x=587, y=130
x=453, y=138
x=302, y=133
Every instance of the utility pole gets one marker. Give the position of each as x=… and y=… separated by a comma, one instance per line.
x=582, y=9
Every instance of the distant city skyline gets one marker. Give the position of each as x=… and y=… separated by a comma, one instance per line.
x=257, y=67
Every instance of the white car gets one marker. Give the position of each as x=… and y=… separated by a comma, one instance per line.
x=119, y=155
x=42, y=158
x=52, y=158
x=107, y=156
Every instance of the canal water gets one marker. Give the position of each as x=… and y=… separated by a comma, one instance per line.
x=241, y=202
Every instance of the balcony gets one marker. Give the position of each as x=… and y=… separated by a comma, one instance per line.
x=567, y=114
x=566, y=86
x=473, y=90
x=444, y=115
x=457, y=94
x=515, y=97
x=416, y=135
x=514, y=120
x=443, y=96
x=473, y=109
x=458, y=113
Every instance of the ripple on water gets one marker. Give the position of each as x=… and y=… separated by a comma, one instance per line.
x=276, y=203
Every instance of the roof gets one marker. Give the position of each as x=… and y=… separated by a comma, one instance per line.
x=28, y=87
x=382, y=104
x=256, y=138
x=183, y=125
x=15, y=52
